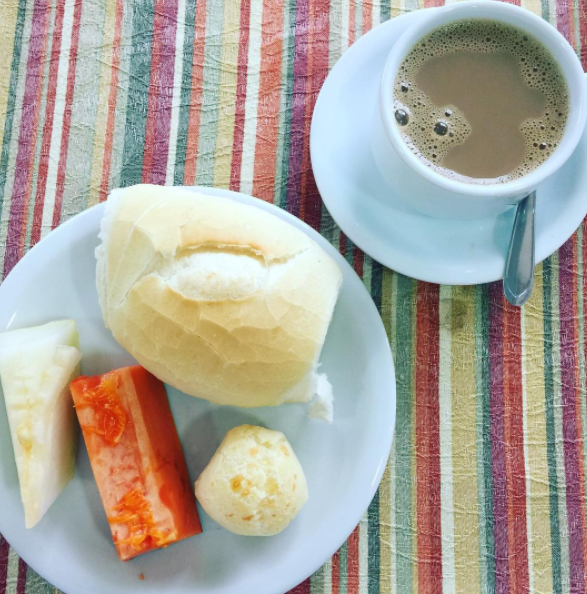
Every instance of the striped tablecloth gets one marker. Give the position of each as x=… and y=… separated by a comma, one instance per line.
x=485, y=488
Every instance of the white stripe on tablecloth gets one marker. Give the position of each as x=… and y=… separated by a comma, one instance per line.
x=59, y=112
x=176, y=99
x=445, y=412
x=252, y=97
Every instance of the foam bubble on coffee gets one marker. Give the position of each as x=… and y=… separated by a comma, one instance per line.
x=481, y=101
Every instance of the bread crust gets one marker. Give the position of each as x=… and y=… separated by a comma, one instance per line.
x=222, y=300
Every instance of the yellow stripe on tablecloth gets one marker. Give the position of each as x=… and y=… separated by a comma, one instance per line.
x=104, y=77
x=386, y=491
x=537, y=489
x=227, y=93
x=12, y=571
x=386, y=532
x=363, y=569
x=534, y=6
x=464, y=452
x=8, y=12
x=397, y=7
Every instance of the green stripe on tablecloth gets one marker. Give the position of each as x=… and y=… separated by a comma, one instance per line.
x=367, y=270
x=35, y=584
x=210, y=91
x=138, y=92
x=10, y=108
x=349, y=251
x=484, y=477
x=319, y=580
x=285, y=104
x=186, y=90
x=403, y=430
x=550, y=430
x=124, y=78
x=374, y=547
x=559, y=444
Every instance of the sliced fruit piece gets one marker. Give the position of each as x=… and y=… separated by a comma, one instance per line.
x=36, y=366
x=137, y=459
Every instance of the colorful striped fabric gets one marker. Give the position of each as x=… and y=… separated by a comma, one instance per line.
x=485, y=489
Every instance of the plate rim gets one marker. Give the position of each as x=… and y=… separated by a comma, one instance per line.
x=377, y=333
x=546, y=244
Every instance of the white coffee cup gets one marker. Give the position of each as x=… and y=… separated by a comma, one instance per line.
x=440, y=196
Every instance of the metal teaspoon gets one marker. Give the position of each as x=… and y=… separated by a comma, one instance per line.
x=518, y=278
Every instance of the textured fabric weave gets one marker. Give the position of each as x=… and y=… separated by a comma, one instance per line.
x=485, y=488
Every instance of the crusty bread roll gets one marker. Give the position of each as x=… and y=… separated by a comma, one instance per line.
x=254, y=484
x=222, y=300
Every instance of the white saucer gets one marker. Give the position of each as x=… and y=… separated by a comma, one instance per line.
x=375, y=219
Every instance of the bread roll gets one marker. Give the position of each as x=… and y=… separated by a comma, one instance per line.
x=221, y=300
x=254, y=484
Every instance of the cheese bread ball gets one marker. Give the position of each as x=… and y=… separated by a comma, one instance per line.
x=254, y=485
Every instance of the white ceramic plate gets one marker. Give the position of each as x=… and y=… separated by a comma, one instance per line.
x=369, y=212
x=71, y=546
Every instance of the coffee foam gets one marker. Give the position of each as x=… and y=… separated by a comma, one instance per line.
x=538, y=67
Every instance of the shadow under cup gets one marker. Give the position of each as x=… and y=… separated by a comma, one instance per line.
x=435, y=194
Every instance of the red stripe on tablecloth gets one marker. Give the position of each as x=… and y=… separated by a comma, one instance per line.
x=570, y=392
x=160, y=92
x=514, y=454
x=28, y=135
x=163, y=85
x=268, y=106
x=303, y=588
x=154, y=91
x=310, y=201
x=352, y=563
x=298, y=111
x=498, y=464
x=191, y=155
x=564, y=19
x=342, y=244
x=48, y=126
x=578, y=416
x=352, y=22
x=583, y=34
x=241, y=97
x=358, y=260
x=21, y=583
x=367, y=15
x=112, y=98
x=4, y=550
x=428, y=440
x=77, y=15
x=433, y=3
x=336, y=573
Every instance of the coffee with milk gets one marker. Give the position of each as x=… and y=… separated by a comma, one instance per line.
x=481, y=101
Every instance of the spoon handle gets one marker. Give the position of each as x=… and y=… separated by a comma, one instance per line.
x=518, y=278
